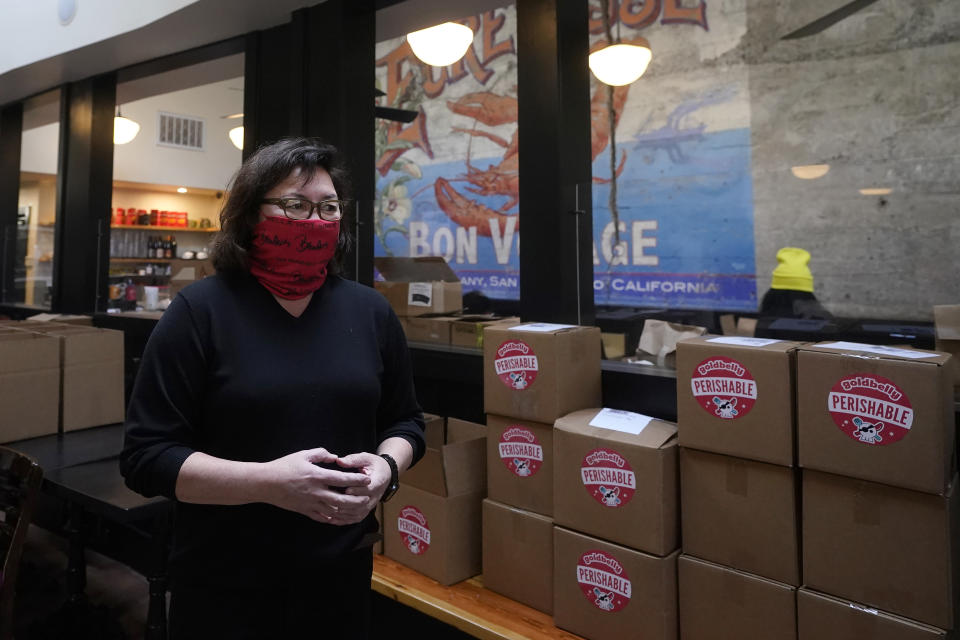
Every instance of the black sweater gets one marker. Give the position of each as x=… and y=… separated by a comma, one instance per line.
x=229, y=372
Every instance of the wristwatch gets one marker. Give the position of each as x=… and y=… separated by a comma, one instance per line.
x=394, y=478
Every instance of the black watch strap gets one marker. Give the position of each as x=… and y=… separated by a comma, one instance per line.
x=394, y=477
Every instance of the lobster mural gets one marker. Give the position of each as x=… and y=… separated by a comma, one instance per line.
x=503, y=178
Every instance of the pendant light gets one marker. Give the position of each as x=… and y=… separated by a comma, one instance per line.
x=236, y=137
x=441, y=45
x=124, y=129
x=619, y=64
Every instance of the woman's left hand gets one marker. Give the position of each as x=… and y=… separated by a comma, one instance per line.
x=377, y=469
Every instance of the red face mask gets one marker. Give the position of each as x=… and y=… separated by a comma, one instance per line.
x=289, y=257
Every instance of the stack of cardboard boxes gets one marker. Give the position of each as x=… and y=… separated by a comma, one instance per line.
x=877, y=446
x=426, y=295
x=616, y=536
x=422, y=292
x=532, y=375
x=57, y=377
x=739, y=488
x=432, y=524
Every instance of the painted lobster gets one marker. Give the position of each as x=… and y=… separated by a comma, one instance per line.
x=503, y=179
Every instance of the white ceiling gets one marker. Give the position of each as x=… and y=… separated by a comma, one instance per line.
x=205, y=22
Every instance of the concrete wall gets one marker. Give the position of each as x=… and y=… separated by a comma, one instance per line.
x=874, y=97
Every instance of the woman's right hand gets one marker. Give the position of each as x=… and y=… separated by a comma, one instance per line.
x=295, y=482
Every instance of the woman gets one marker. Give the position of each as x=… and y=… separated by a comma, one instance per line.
x=272, y=402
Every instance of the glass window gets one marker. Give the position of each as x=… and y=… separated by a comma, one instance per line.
x=33, y=238
x=178, y=140
x=447, y=181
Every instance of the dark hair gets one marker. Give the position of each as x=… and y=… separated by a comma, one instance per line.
x=266, y=168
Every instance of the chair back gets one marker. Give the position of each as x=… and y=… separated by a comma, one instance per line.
x=20, y=479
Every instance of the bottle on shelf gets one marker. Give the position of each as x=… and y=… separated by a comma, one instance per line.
x=130, y=296
x=173, y=246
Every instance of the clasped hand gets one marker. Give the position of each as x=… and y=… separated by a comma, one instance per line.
x=328, y=495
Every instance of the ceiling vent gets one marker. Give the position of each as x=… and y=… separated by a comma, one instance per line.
x=180, y=132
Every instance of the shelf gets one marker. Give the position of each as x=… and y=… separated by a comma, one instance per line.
x=147, y=227
x=144, y=259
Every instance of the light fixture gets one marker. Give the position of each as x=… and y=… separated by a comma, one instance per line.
x=876, y=191
x=233, y=116
x=124, y=129
x=810, y=171
x=236, y=137
x=441, y=45
x=620, y=64
x=181, y=189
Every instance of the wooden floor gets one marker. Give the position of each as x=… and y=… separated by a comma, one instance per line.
x=467, y=606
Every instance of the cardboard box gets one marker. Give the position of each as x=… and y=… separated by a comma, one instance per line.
x=720, y=603
x=540, y=371
x=186, y=272
x=617, y=486
x=877, y=413
x=520, y=463
x=468, y=330
x=946, y=319
x=735, y=396
x=741, y=513
x=92, y=392
x=432, y=329
x=459, y=466
x=882, y=546
x=518, y=555
x=29, y=385
x=607, y=592
x=439, y=537
x=823, y=617
x=419, y=286
x=435, y=430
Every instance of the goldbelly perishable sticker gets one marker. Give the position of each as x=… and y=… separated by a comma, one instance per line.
x=516, y=364
x=520, y=451
x=413, y=528
x=724, y=387
x=604, y=581
x=608, y=477
x=870, y=409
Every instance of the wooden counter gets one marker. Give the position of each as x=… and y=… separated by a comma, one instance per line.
x=467, y=605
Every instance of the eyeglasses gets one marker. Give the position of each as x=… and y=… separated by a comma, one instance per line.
x=301, y=208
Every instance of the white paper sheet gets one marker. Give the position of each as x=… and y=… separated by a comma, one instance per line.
x=879, y=349
x=617, y=420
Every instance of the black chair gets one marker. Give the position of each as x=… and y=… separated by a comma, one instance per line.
x=20, y=479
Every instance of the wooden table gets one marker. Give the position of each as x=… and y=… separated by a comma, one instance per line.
x=81, y=469
x=467, y=605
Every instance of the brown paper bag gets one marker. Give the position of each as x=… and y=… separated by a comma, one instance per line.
x=658, y=342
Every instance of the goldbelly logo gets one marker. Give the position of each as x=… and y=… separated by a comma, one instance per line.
x=516, y=365
x=608, y=590
x=724, y=388
x=520, y=451
x=870, y=409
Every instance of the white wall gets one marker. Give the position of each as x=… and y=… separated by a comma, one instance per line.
x=142, y=160
x=94, y=20
x=38, y=149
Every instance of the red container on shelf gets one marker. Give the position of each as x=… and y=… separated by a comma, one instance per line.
x=119, y=216
x=131, y=217
x=164, y=218
x=154, y=217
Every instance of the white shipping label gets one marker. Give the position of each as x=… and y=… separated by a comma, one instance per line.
x=879, y=349
x=617, y=420
x=420, y=294
x=541, y=327
x=743, y=341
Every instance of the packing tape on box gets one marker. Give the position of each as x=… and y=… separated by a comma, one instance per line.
x=734, y=588
x=738, y=482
